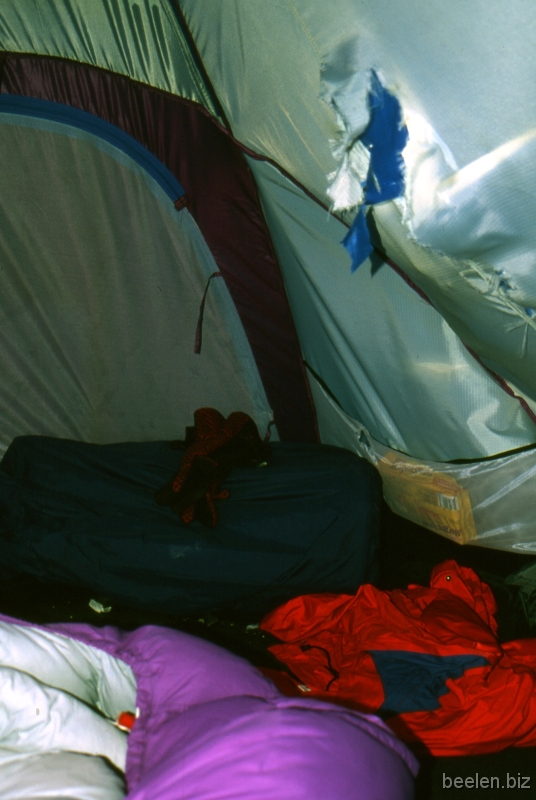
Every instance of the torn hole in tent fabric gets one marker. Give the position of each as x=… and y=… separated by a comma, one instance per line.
x=373, y=136
x=466, y=214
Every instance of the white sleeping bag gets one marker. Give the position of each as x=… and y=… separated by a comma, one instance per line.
x=101, y=681
x=59, y=700
x=36, y=718
x=60, y=776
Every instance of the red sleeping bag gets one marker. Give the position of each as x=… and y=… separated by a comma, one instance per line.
x=428, y=659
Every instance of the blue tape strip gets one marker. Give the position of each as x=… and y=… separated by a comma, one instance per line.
x=386, y=137
x=357, y=241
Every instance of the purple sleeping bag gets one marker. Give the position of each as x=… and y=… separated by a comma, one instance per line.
x=211, y=727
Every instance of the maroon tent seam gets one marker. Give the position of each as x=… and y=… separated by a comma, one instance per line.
x=146, y=87
x=194, y=52
x=202, y=110
x=223, y=180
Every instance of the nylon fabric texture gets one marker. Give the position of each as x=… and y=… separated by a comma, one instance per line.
x=222, y=198
x=488, y=502
x=463, y=231
x=141, y=40
x=487, y=299
x=250, y=50
x=475, y=214
x=84, y=302
x=71, y=776
x=433, y=649
x=212, y=727
x=396, y=359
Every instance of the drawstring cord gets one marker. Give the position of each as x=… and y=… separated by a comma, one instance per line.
x=199, y=329
x=304, y=647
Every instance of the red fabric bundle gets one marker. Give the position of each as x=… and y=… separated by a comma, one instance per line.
x=428, y=658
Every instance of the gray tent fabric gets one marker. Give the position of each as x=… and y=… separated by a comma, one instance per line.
x=436, y=380
x=101, y=296
x=463, y=229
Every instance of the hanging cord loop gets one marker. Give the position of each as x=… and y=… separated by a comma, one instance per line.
x=199, y=329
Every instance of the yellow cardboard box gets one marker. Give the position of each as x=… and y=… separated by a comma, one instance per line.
x=430, y=498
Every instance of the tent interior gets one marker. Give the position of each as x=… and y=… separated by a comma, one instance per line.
x=318, y=214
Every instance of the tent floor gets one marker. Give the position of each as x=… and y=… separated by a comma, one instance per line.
x=407, y=555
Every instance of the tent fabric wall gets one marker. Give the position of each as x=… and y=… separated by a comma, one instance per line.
x=461, y=105
x=222, y=198
x=462, y=231
x=386, y=355
x=488, y=503
x=140, y=40
x=101, y=288
x=264, y=62
x=465, y=67
x=487, y=298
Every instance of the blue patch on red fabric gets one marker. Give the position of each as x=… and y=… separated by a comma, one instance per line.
x=416, y=681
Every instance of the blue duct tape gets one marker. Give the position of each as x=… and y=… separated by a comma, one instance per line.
x=357, y=241
x=385, y=137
